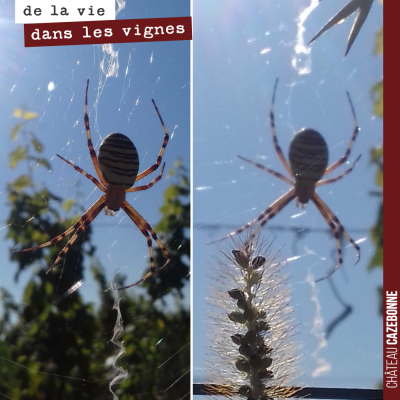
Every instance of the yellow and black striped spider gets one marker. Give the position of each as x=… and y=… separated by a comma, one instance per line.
x=308, y=157
x=117, y=166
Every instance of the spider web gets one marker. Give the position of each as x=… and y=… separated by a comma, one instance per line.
x=123, y=80
x=239, y=51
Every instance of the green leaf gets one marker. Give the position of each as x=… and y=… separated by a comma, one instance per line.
x=377, y=95
x=177, y=164
x=376, y=153
x=21, y=183
x=185, y=182
x=18, y=155
x=27, y=115
x=17, y=113
x=377, y=259
x=379, y=178
x=171, y=193
x=44, y=163
x=48, y=288
x=15, y=130
x=379, y=42
x=68, y=204
x=36, y=144
x=40, y=161
x=377, y=238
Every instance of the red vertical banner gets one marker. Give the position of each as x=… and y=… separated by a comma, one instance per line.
x=391, y=347
x=391, y=277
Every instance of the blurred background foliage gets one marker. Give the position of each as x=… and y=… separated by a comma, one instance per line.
x=175, y=219
x=50, y=350
x=376, y=157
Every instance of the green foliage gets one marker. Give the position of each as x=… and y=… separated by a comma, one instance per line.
x=68, y=204
x=379, y=43
x=377, y=89
x=376, y=157
x=24, y=114
x=377, y=94
x=175, y=226
x=51, y=350
x=20, y=183
x=18, y=155
x=15, y=130
x=377, y=229
x=30, y=140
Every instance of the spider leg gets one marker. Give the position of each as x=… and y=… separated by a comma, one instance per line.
x=352, y=140
x=160, y=154
x=94, y=180
x=145, y=187
x=336, y=234
x=149, y=245
x=77, y=225
x=279, y=204
x=326, y=181
x=145, y=228
x=131, y=211
x=284, y=200
x=273, y=130
x=335, y=219
x=96, y=208
x=89, y=140
x=268, y=214
x=272, y=172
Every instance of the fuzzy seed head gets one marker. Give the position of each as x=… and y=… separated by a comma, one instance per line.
x=252, y=355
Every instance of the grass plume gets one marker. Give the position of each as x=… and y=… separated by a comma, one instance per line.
x=252, y=355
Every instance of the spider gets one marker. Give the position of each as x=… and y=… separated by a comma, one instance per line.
x=308, y=157
x=116, y=165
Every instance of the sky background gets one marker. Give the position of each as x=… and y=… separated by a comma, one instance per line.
x=122, y=85
x=239, y=49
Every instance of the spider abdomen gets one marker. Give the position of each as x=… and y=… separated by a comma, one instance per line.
x=308, y=155
x=118, y=160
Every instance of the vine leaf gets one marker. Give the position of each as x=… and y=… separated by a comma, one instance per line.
x=25, y=115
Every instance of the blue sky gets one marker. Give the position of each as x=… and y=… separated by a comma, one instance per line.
x=239, y=49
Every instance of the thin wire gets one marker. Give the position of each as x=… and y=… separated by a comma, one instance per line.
x=309, y=392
